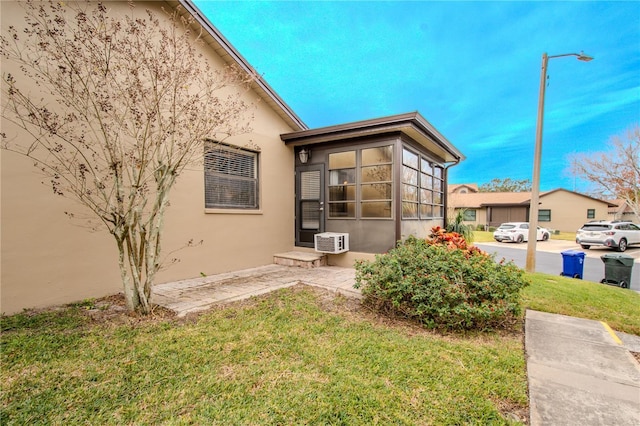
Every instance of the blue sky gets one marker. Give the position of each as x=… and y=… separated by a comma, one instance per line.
x=472, y=69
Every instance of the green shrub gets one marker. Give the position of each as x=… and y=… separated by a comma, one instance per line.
x=443, y=284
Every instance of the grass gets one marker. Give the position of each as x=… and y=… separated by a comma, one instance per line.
x=293, y=357
x=297, y=356
x=567, y=296
x=564, y=236
x=482, y=237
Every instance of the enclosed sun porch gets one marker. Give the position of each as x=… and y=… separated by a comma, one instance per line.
x=377, y=181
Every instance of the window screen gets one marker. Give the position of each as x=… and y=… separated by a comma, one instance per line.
x=230, y=178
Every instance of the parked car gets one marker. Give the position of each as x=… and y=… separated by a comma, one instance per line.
x=518, y=232
x=614, y=234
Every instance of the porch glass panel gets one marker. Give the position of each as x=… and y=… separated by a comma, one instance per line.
x=409, y=175
x=342, y=210
x=342, y=176
x=426, y=210
x=342, y=193
x=409, y=193
x=410, y=159
x=378, y=155
x=409, y=210
x=376, y=209
x=342, y=160
x=376, y=191
x=376, y=173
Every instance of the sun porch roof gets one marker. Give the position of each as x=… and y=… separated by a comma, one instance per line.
x=411, y=124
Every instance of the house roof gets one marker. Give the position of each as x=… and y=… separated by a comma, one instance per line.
x=229, y=54
x=411, y=124
x=619, y=206
x=484, y=199
x=473, y=187
x=487, y=199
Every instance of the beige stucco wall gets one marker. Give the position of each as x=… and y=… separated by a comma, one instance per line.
x=569, y=210
x=481, y=216
x=48, y=259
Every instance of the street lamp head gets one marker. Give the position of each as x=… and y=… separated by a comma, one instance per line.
x=585, y=58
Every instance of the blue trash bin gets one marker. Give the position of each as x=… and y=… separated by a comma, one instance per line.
x=572, y=263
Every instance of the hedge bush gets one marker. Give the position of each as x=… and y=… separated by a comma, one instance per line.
x=443, y=283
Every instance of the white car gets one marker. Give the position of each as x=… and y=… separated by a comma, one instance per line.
x=615, y=234
x=518, y=232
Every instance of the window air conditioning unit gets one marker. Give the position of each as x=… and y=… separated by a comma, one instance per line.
x=331, y=242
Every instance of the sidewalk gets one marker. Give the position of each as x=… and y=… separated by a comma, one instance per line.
x=580, y=373
x=198, y=294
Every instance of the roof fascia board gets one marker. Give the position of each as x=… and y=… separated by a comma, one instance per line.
x=190, y=7
x=347, y=128
x=395, y=123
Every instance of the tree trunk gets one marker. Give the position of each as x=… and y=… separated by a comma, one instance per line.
x=131, y=296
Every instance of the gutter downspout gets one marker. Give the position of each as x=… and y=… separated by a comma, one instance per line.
x=446, y=191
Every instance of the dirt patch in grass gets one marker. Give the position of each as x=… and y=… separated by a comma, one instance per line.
x=105, y=310
x=113, y=309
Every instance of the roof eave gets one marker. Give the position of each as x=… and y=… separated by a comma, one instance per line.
x=411, y=124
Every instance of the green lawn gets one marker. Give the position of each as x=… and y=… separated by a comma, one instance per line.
x=618, y=307
x=297, y=356
x=482, y=237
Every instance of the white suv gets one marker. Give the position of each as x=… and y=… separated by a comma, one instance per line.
x=614, y=234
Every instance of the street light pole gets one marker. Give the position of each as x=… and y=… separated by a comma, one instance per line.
x=537, y=159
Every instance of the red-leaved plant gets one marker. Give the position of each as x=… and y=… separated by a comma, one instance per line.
x=453, y=241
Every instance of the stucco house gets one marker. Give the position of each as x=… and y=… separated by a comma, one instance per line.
x=620, y=210
x=376, y=180
x=559, y=209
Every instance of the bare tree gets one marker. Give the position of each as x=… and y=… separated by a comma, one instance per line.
x=615, y=171
x=116, y=107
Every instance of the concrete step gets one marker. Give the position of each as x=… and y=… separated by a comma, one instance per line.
x=300, y=259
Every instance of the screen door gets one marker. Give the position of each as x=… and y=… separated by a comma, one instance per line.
x=309, y=203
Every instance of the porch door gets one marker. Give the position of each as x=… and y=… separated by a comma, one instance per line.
x=309, y=203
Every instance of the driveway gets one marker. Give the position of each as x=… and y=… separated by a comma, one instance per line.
x=549, y=258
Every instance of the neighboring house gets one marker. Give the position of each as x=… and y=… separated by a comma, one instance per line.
x=620, y=210
x=464, y=188
x=559, y=209
x=379, y=180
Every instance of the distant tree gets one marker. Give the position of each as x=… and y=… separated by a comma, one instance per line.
x=506, y=185
x=116, y=107
x=614, y=172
